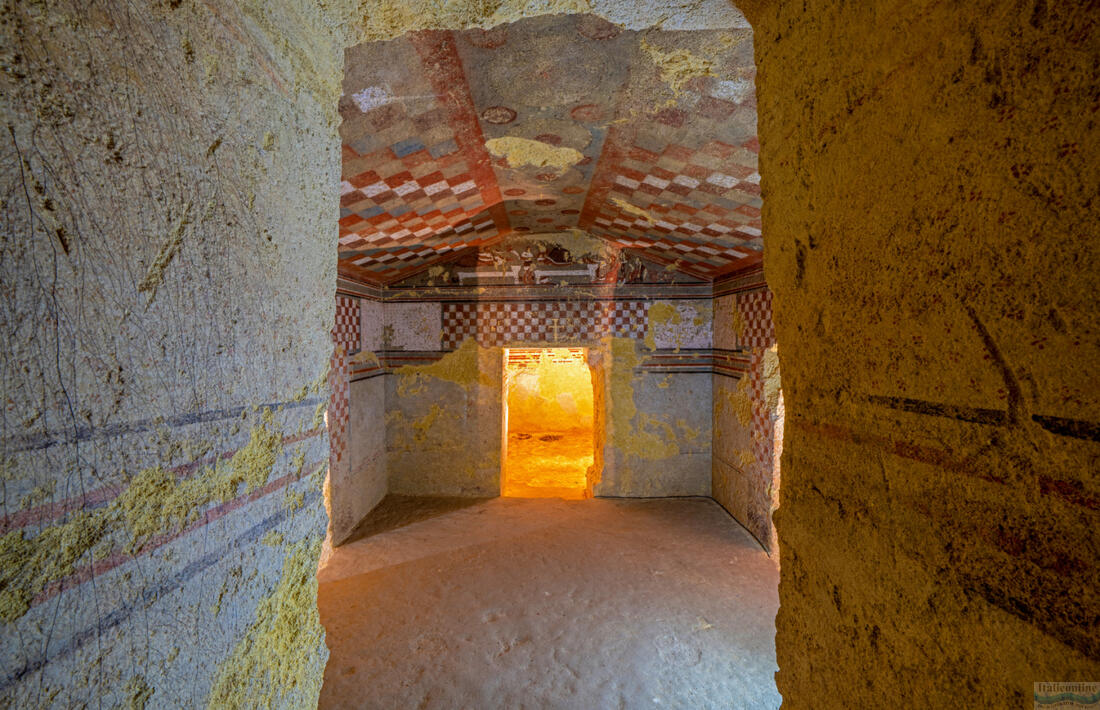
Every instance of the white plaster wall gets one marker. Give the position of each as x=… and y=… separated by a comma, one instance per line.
x=371, y=322
x=689, y=329
x=725, y=322
x=413, y=326
x=361, y=482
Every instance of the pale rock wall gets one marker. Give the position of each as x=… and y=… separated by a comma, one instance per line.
x=364, y=484
x=443, y=425
x=357, y=467
x=170, y=175
x=667, y=448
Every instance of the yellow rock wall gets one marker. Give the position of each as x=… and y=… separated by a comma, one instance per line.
x=930, y=177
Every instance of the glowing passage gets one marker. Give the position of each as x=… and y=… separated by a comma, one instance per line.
x=548, y=423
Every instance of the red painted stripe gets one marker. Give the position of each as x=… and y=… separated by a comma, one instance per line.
x=99, y=567
x=443, y=68
x=52, y=511
x=904, y=449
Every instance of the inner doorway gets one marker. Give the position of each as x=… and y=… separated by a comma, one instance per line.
x=549, y=423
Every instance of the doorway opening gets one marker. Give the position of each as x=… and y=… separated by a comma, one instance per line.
x=548, y=447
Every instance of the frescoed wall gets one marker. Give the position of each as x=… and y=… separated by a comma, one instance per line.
x=438, y=354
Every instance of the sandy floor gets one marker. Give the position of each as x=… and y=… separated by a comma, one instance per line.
x=517, y=603
x=547, y=464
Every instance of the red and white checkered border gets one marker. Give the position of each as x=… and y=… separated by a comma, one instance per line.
x=497, y=324
x=755, y=309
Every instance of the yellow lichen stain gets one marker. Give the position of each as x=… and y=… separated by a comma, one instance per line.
x=740, y=401
x=272, y=538
x=459, y=366
x=27, y=565
x=318, y=420
x=520, y=152
x=298, y=462
x=678, y=66
x=232, y=580
x=388, y=19
x=737, y=321
x=156, y=502
x=252, y=464
x=578, y=243
x=320, y=383
x=153, y=503
x=633, y=209
x=293, y=500
x=651, y=438
x=772, y=383
x=690, y=432
x=660, y=313
x=154, y=275
x=408, y=432
x=437, y=272
x=278, y=662
x=38, y=495
x=138, y=691
x=365, y=357
x=422, y=425
x=703, y=314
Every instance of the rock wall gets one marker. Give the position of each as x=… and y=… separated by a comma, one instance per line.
x=442, y=366
x=356, y=415
x=746, y=407
x=930, y=212
x=170, y=174
x=170, y=195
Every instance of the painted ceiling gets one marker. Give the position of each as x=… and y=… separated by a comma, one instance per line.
x=454, y=141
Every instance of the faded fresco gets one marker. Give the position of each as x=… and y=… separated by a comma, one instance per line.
x=553, y=259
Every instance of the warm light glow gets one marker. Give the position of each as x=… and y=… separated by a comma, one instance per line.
x=548, y=416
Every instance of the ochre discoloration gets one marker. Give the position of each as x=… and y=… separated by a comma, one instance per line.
x=633, y=209
x=678, y=66
x=660, y=313
x=276, y=663
x=459, y=366
x=520, y=152
x=155, y=502
x=633, y=433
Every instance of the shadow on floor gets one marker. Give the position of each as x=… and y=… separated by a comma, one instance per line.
x=396, y=511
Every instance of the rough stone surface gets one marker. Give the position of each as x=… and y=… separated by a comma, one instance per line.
x=543, y=603
x=170, y=177
x=170, y=186
x=930, y=215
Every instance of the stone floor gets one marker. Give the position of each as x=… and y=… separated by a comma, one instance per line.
x=545, y=603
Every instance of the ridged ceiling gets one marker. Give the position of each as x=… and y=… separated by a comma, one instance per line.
x=454, y=140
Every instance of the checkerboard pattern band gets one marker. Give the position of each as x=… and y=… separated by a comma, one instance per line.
x=700, y=207
x=338, y=405
x=755, y=309
x=497, y=324
x=346, y=329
